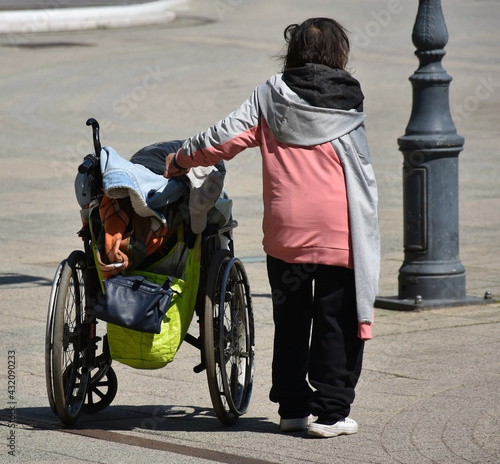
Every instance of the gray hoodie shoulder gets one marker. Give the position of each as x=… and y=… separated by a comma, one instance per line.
x=294, y=121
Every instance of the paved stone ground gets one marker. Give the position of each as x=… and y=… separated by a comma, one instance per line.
x=429, y=391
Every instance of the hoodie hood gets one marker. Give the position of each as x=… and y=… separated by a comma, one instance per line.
x=325, y=87
x=295, y=121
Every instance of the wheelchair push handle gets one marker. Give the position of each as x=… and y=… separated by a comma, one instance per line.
x=95, y=135
x=90, y=161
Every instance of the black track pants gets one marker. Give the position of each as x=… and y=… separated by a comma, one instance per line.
x=330, y=355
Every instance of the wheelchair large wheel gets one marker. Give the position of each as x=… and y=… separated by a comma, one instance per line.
x=229, y=340
x=66, y=340
x=49, y=337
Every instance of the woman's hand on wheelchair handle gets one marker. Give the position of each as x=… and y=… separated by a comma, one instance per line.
x=171, y=170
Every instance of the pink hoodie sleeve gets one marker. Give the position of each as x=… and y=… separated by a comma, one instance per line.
x=365, y=331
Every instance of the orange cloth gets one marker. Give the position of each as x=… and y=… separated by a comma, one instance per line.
x=120, y=225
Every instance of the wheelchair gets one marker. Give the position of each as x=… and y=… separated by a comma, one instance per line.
x=78, y=364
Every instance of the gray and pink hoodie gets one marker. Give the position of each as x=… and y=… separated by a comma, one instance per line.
x=319, y=189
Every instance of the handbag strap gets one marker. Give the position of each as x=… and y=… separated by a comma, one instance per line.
x=170, y=280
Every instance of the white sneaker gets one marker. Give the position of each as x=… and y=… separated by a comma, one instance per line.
x=295, y=425
x=347, y=426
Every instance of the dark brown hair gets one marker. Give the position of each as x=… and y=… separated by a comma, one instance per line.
x=316, y=40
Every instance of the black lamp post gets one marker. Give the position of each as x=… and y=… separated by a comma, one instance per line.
x=432, y=274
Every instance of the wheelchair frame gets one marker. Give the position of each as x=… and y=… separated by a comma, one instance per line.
x=78, y=370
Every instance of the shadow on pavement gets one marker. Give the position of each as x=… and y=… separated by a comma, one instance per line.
x=157, y=418
x=15, y=279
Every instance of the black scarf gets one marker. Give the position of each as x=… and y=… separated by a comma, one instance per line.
x=325, y=87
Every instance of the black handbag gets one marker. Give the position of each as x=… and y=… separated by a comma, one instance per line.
x=134, y=302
